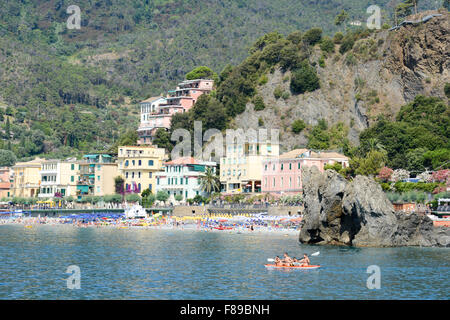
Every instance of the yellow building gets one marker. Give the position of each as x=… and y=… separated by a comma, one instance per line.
x=58, y=176
x=96, y=175
x=26, y=178
x=138, y=165
x=241, y=168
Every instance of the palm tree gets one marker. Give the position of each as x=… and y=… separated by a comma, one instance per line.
x=373, y=144
x=209, y=182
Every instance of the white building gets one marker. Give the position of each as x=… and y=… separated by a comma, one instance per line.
x=58, y=176
x=182, y=177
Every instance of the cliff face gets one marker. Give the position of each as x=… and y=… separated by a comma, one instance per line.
x=358, y=213
x=378, y=76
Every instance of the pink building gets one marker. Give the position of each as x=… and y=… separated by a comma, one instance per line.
x=5, y=182
x=157, y=112
x=283, y=175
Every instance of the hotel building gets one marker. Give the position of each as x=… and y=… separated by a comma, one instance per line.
x=283, y=174
x=26, y=178
x=58, y=176
x=241, y=168
x=157, y=112
x=138, y=165
x=182, y=177
x=96, y=175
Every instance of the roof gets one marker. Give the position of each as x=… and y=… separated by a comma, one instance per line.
x=293, y=154
x=183, y=160
x=321, y=155
x=152, y=99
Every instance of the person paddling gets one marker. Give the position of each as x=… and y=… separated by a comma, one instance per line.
x=287, y=260
x=305, y=261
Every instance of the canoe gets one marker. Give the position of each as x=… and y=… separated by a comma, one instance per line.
x=293, y=267
x=223, y=228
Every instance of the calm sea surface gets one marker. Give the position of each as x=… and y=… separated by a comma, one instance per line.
x=166, y=264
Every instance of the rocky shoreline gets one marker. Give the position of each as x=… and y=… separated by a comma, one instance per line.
x=358, y=213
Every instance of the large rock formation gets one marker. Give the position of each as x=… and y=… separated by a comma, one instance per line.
x=358, y=213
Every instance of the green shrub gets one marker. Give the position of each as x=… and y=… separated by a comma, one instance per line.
x=277, y=92
x=338, y=37
x=327, y=45
x=263, y=80
x=298, y=126
x=285, y=95
x=447, y=90
x=313, y=36
x=260, y=122
x=259, y=103
x=304, y=79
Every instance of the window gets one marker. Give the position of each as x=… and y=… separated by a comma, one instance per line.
x=72, y=178
x=281, y=182
x=150, y=174
x=273, y=182
x=132, y=175
x=150, y=187
x=281, y=167
x=140, y=162
x=139, y=187
x=98, y=178
x=265, y=167
x=72, y=166
x=126, y=163
x=133, y=162
x=299, y=165
x=139, y=175
x=157, y=181
x=126, y=175
x=150, y=162
x=290, y=166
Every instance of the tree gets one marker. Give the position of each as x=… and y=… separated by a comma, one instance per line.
x=202, y=73
x=298, y=126
x=145, y=193
x=7, y=158
x=385, y=174
x=370, y=165
x=341, y=18
x=446, y=4
x=162, y=139
x=259, y=103
x=313, y=36
x=162, y=196
x=304, y=79
x=118, y=185
x=209, y=182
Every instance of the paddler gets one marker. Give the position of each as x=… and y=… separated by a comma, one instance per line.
x=305, y=261
x=287, y=260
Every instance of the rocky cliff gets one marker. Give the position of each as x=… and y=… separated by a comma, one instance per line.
x=379, y=75
x=358, y=213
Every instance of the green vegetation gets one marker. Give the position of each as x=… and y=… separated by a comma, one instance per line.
x=298, y=126
x=259, y=103
x=420, y=131
x=304, y=79
x=202, y=73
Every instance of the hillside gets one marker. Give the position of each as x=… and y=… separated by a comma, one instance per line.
x=381, y=73
x=64, y=92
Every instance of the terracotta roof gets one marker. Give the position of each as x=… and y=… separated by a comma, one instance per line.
x=183, y=160
x=293, y=154
x=333, y=155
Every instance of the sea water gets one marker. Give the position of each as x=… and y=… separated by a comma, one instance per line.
x=137, y=263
